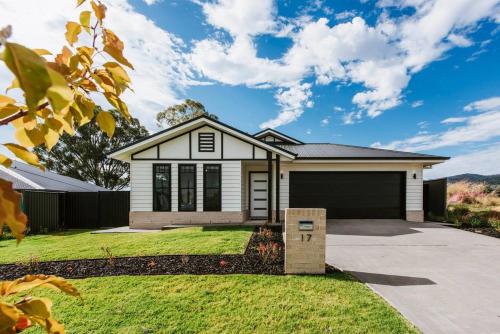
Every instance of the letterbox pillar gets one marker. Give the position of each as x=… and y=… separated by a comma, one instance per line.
x=305, y=232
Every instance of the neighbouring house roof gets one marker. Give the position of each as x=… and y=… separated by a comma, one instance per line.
x=26, y=177
x=277, y=134
x=151, y=140
x=338, y=152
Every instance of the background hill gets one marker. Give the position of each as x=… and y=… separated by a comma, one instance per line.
x=488, y=179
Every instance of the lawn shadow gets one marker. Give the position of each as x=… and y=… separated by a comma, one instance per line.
x=226, y=228
x=392, y=280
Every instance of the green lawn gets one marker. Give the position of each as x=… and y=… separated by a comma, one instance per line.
x=225, y=304
x=78, y=244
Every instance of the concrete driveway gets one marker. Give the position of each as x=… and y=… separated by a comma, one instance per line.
x=442, y=279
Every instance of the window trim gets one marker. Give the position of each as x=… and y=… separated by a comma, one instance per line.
x=179, y=187
x=207, y=135
x=205, y=187
x=170, y=187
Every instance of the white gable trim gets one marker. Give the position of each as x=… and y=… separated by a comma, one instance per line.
x=126, y=152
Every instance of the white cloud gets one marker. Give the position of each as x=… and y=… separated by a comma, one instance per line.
x=338, y=109
x=161, y=69
x=325, y=121
x=308, y=131
x=454, y=120
x=151, y=2
x=417, y=104
x=380, y=57
x=292, y=102
x=484, y=105
x=477, y=128
x=351, y=117
x=479, y=162
x=241, y=17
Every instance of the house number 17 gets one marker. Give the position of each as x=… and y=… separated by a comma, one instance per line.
x=307, y=238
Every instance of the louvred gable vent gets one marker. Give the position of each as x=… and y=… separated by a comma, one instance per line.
x=206, y=142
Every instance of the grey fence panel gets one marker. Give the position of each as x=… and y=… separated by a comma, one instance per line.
x=435, y=198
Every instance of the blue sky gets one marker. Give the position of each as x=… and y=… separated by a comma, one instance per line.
x=418, y=75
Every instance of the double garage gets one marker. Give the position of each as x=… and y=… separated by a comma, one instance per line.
x=350, y=195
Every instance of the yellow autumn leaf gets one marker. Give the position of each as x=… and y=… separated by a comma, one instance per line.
x=36, y=307
x=9, y=315
x=73, y=29
x=4, y=100
x=85, y=20
x=118, y=104
x=85, y=55
x=67, y=122
x=10, y=211
x=106, y=122
x=86, y=107
x=42, y=52
x=29, y=282
x=30, y=70
x=99, y=11
x=79, y=2
x=52, y=131
x=64, y=56
x=114, y=47
x=23, y=154
x=29, y=138
x=8, y=110
x=30, y=121
x=59, y=94
x=4, y=161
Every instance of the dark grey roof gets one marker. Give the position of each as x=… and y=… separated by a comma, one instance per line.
x=338, y=151
x=19, y=172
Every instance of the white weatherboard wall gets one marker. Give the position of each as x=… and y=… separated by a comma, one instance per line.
x=414, y=187
x=141, y=183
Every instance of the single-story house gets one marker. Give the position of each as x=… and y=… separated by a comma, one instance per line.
x=27, y=177
x=205, y=171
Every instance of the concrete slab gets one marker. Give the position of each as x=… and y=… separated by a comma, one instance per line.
x=123, y=229
x=442, y=279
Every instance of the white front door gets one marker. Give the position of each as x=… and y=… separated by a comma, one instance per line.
x=258, y=195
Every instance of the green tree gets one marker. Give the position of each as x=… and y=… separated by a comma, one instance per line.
x=83, y=156
x=182, y=112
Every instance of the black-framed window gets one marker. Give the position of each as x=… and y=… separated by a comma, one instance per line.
x=162, y=187
x=206, y=142
x=187, y=187
x=212, y=193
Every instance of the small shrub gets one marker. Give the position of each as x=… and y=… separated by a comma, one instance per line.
x=269, y=251
x=184, y=259
x=494, y=222
x=265, y=233
x=476, y=221
x=108, y=255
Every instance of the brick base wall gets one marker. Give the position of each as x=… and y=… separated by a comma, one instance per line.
x=305, y=250
x=156, y=220
x=415, y=216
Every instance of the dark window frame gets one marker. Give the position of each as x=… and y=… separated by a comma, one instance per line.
x=205, y=188
x=206, y=142
x=179, y=196
x=169, y=188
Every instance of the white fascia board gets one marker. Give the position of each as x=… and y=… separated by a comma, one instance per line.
x=271, y=131
x=368, y=161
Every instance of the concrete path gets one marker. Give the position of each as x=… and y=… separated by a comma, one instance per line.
x=123, y=229
x=442, y=279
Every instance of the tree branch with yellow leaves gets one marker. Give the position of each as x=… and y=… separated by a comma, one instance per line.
x=58, y=97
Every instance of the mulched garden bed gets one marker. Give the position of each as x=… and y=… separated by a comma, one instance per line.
x=489, y=231
x=248, y=263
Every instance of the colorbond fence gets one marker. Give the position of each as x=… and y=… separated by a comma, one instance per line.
x=435, y=198
x=50, y=211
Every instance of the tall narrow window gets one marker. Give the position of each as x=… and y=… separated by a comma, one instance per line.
x=187, y=187
x=161, y=188
x=211, y=187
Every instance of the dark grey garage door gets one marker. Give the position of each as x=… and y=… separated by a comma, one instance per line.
x=350, y=194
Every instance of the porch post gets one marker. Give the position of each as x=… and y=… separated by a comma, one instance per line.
x=269, y=187
x=278, y=174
